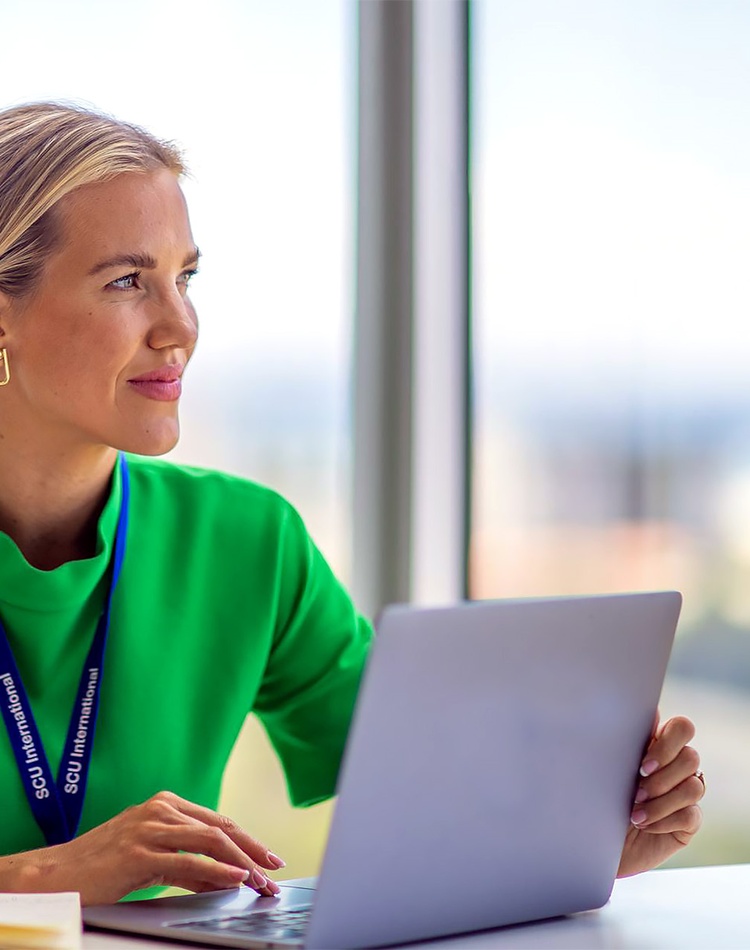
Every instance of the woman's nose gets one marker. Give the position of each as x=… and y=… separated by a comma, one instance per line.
x=175, y=324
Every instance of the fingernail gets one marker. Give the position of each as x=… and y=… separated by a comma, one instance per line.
x=259, y=880
x=638, y=816
x=242, y=873
x=641, y=795
x=275, y=860
x=648, y=768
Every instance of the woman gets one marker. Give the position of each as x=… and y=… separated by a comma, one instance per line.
x=219, y=602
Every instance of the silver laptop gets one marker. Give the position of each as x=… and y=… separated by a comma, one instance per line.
x=488, y=780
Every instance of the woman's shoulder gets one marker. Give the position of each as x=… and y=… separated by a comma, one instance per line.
x=206, y=491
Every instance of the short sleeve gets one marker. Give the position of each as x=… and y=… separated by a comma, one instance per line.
x=310, y=683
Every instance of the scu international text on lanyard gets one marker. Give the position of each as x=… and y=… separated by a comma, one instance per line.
x=57, y=805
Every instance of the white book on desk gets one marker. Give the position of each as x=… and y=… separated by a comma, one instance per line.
x=51, y=921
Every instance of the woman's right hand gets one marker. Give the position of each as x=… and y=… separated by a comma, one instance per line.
x=165, y=840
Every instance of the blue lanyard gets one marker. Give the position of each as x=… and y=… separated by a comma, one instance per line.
x=57, y=806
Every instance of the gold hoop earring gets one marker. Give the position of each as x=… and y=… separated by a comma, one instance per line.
x=6, y=364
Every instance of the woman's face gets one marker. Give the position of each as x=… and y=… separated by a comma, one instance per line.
x=97, y=351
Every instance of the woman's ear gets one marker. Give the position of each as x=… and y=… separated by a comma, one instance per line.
x=6, y=303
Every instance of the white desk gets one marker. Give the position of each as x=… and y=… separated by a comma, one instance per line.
x=685, y=909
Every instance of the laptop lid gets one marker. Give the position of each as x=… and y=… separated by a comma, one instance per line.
x=488, y=778
x=491, y=767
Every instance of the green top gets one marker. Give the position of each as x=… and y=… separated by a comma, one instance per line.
x=224, y=606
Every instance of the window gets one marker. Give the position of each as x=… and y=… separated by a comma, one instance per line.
x=261, y=97
x=612, y=452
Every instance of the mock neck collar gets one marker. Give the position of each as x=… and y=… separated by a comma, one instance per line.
x=23, y=585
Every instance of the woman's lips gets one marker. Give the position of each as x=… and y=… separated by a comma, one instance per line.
x=163, y=384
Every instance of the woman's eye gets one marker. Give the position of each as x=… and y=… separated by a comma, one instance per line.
x=125, y=283
x=187, y=276
x=130, y=281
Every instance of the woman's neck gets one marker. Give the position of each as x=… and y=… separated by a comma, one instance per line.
x=50, y=502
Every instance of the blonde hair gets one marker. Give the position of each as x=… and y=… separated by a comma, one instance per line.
x=47, y=150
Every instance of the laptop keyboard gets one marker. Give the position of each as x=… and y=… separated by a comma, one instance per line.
x=265, y=924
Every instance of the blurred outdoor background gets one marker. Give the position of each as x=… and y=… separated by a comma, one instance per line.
x=611, y=240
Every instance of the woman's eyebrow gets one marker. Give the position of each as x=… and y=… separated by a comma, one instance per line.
x=138, y=261
x=192, y=258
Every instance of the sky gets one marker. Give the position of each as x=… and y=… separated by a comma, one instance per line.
x=612, y=192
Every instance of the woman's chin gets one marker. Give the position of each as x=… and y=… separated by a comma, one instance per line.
x=156, y=441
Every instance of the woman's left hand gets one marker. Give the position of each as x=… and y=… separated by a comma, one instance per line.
x=665, y=814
